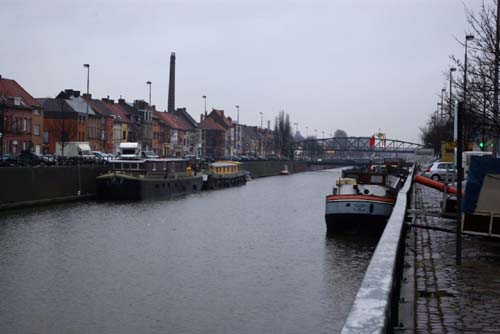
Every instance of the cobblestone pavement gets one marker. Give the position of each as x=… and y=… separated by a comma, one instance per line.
x=450, y=298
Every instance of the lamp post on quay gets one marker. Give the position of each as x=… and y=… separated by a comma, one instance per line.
x=87, y=66
x=149, y=84
x=236, y=131
x=450, y=111
x=461, y=109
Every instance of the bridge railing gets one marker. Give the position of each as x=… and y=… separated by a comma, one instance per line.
x=360, y=144
x=376, y=304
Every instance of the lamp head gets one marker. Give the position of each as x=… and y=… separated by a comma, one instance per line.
x=469, y=37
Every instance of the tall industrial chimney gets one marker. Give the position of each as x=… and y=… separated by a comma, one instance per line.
x=171, y=84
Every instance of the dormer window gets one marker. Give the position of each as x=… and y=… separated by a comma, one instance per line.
x=17, y=101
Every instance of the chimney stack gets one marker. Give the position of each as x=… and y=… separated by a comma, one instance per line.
x=171, y=84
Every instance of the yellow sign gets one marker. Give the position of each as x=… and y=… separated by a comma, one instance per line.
x=448, y=150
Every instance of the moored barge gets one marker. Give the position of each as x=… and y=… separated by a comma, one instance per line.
x=224, y=174
x=140, y=179
x=362, y=201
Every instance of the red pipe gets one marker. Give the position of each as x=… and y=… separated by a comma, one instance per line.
x=435, y=184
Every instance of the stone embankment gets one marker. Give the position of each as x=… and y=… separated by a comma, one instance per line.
x=29, y=186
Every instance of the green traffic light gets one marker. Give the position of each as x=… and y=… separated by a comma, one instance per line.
x=481, y=144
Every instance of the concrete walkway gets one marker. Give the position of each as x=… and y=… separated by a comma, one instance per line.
x=451, y=299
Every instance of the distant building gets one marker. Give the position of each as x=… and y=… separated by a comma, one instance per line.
x=21, y=118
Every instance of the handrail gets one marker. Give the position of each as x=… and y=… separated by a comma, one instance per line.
x=372, y=310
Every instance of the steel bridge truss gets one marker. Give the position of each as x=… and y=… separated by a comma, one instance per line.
x=358, y=144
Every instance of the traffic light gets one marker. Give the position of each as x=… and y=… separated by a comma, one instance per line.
x=481, y=145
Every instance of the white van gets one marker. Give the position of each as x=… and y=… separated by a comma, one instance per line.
x=74, y=149
x=466, y=158
x=130, y=151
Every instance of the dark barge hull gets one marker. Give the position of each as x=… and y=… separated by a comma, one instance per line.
x=355, y=224
x=215, y=181
x=123, y=187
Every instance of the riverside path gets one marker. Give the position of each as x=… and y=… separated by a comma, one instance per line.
x=451, y=298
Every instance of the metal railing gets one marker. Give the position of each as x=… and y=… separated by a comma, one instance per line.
x=375, y=308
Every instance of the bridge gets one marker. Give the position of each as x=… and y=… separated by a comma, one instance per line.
x=354, y=147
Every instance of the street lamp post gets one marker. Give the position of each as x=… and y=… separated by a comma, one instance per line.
x=439, y=105
x=452, y=69
x=87, y=66
x=236, y=130
x=460, y=111
x=442, y=101
x=467, y=38
x=149, y=84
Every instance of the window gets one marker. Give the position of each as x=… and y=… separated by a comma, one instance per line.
x=25, y=124
x=36, y=130
x=36, y=112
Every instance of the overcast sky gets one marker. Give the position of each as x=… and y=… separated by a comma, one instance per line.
x=357, y=65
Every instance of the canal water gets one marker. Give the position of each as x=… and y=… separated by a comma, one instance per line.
x=251, y=259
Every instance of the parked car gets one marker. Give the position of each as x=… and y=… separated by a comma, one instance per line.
x=49, y=159
x=8, y=160
x=29, y=158
x=149, y=155
x=441, y=171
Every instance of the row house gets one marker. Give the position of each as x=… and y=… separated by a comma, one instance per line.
x=193, y=132
x=121, y=123
x=217, y=134
x=176, y=134
x=68, y=117
x=21, y=119
x=213, y=138
x=160, y=134
x=144, y=119
x=102, y=139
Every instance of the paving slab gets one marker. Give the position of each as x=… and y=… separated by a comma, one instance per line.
x=451, y=298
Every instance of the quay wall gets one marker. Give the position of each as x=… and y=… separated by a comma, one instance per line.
x=376, y=307
x=30, y=186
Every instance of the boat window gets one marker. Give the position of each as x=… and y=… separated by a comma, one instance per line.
x=117, y=165
x=376, y=179
x=154, y=165
x=164, y=165
x=126, y=166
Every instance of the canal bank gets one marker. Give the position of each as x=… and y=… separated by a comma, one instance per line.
x=31, y=186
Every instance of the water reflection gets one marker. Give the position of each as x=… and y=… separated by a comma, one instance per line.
x=252, y=259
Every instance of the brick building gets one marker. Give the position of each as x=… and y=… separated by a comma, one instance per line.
x=21, y=118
